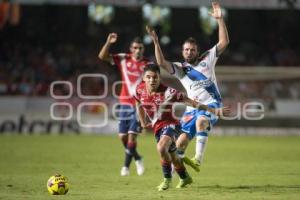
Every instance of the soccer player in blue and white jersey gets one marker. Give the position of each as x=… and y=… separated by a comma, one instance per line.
x=197, y=75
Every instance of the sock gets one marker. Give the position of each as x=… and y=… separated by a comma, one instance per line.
x=132, y=149
x=124, y=142
x=201, y=142
x=181, y=171
x=166, y=168
x=128, y=158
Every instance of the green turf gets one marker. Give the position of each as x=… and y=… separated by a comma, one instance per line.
x=235, y=168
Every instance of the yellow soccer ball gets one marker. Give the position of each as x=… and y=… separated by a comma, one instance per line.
x=58, y=185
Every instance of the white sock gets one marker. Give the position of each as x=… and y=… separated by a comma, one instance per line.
x=201, y=143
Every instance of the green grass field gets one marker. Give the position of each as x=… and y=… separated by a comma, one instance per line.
x=235, y=168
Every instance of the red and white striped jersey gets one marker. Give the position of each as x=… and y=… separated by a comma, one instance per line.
x=131, y=72
x=158, y=106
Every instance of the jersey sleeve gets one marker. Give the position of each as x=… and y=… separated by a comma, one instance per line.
x=173, y=95
x=212, y=56
x=116, y=58
x=177, y=70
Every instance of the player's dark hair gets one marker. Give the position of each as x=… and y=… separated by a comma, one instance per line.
x=136, y=40
x=191, y=40
x=152, y=67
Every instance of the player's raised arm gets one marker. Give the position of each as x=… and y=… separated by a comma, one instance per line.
x=223, y=34
x=224, y=111
x=104, y=52
x=160, y=59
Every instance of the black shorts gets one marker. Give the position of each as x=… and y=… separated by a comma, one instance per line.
x=172, y=131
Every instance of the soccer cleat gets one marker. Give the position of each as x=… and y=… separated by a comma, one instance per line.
x=165, y=184
x=124, y=171
x=193, y=163
x=196, y=161
x=184, y=182
x=140, y=169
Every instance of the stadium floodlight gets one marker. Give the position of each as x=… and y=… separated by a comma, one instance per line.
x=155, y=15
x=101, y=13
x=208, y=23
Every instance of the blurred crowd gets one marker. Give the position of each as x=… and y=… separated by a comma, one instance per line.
x=27, y=70
x=31, y=59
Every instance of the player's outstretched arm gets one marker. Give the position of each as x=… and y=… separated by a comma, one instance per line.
x=104, y=52
x=160, y=59
x=221, y=112
x=224, y=111
x=223, y=33
x=189, y=102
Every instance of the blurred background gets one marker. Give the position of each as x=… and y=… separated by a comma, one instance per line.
x=46, y=45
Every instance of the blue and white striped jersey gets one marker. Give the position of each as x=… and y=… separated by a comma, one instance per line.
x=200, y=81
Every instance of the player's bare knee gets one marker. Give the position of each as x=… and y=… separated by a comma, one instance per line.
x=123, y=136
x=161, y=149
x=182, y=141
x=202, y=123
x=181, y=144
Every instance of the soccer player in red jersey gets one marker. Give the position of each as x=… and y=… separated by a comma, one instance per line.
x=131, y=67
x=155, y=101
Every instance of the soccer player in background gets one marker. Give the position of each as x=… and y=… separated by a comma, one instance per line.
x=197, y=75
x=131, y=67
x=155, y=101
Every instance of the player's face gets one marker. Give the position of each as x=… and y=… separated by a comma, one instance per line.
x=137, y=50
x=190, y=52
x=152, y=80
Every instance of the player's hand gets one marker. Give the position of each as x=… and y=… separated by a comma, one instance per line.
x=112, y=38
x=146, y=126
x=222, y=112
x=216, y=10
x=152, y=34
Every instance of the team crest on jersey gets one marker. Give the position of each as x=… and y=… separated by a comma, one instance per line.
x=203, y=64
x=158, y=100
